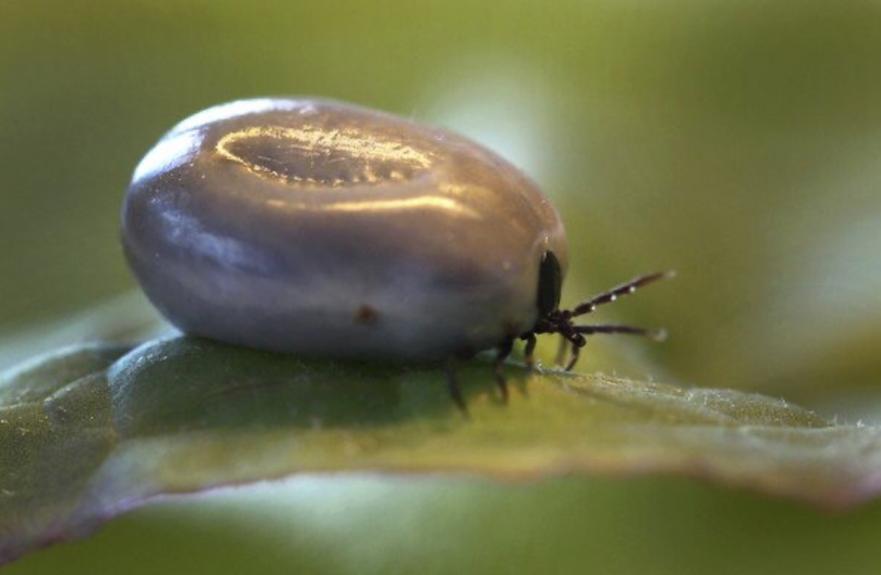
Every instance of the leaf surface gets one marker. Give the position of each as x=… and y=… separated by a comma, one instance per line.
x=92, y=431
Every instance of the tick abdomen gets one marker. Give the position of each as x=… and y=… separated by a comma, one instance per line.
x=277, y=223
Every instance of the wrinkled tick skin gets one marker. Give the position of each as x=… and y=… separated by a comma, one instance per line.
x=322, y=228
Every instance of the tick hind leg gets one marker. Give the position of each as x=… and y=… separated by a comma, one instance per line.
x=499, y=367
x=453, y=386
x=504, y=350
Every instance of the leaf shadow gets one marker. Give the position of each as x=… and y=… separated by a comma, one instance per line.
x=187, y=384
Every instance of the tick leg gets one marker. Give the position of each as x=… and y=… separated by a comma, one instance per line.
x=655, y=334
x=577, y=343
x=529, y=351
x=618, y=291
x=573, y=359
x=453, y=387
x=499, y=367
x=561, y=351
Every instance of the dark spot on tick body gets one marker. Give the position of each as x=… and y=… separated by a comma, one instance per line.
x=366, y=315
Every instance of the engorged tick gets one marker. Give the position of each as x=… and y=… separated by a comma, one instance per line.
x=267, y=223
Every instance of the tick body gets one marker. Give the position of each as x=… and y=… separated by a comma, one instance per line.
x=321, y=228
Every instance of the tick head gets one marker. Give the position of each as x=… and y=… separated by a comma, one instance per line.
x=550, y=284
x=551, y=319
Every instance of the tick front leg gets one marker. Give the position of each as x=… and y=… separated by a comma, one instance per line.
x=577, y=343
x=561, y=351
x=616, y=292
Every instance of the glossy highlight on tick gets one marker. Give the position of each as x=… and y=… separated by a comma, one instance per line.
x=327, y=229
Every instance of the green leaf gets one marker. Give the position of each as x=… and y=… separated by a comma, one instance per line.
x=87, y=434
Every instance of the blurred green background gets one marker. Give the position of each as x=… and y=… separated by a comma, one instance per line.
x=737, y=142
